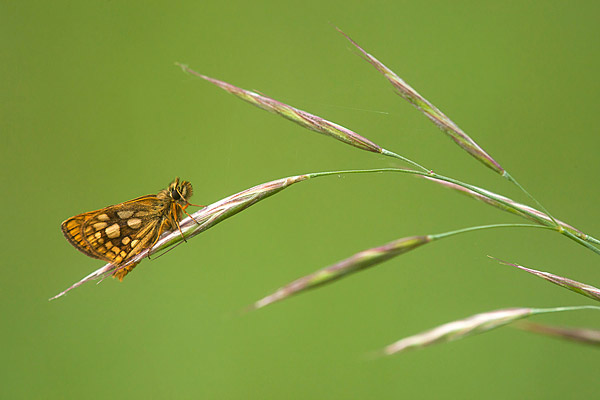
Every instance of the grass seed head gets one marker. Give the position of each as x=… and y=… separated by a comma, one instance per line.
x=303, y=118
x=431, y=111
x=355, y=263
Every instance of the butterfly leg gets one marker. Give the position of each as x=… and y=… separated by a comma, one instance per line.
x=186, y=213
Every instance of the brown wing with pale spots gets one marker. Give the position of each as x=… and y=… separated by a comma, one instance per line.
x=72, y=229
x=116, y=233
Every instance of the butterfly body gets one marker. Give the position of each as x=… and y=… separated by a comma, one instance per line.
x=117, y=233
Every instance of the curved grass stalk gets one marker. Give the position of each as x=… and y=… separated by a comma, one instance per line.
x=229, y=206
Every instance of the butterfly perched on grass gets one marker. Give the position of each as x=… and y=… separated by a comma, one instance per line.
x=117, y=233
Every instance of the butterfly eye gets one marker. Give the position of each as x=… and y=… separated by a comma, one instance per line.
x=175, y=195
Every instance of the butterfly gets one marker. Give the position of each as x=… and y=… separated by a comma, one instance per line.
x=117, y=233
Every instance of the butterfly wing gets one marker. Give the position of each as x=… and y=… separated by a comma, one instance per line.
x=118, y=232
x=73, y=231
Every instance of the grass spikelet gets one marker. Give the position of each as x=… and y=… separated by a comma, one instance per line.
x=431, y=111
x=472, y=325
x=355, y=263
x=581, y=335
x=303, y=118
x=459, y=329
x=574, y=286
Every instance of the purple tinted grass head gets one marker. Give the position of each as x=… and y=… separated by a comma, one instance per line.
x=581, y=335
x=574, y=286
x=430, y=111
x=303, y=118
x=355, y=263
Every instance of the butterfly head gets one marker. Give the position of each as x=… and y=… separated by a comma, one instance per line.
x=180, y=191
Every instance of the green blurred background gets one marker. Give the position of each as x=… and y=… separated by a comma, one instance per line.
x=94, y=112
